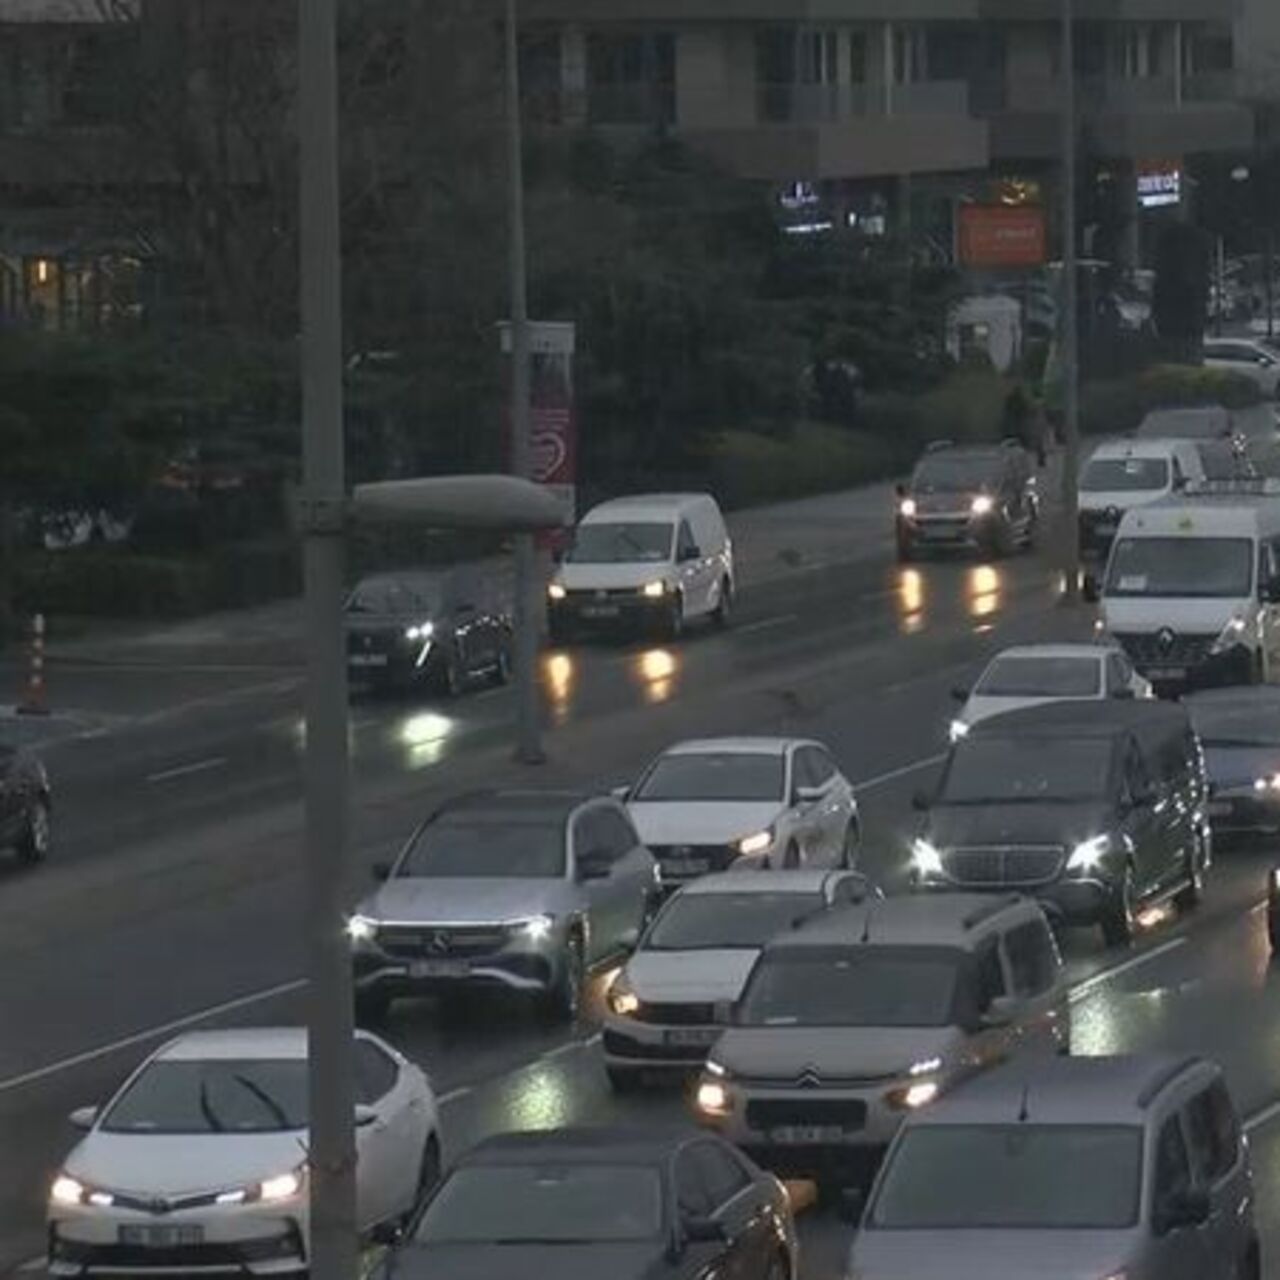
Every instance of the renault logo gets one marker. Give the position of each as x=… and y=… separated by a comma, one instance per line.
x=809, y=1078
x=1165, y=638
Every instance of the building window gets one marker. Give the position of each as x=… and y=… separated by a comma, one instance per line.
x=910, y=55
x=819, y=53
x=858, y=57
x=1207, y=48
x=631, y=78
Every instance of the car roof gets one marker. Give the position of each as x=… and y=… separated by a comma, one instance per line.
x=1225, y=512
x=1085, y=719
x=921, y=920
x=1233, y=698
x=420, y=579
x=1207, y=420
x=1146, y=447
x=1096, y=651
x=667, y=505
x=652, y=1144
x=555, y=804
x=1062, y=1090
x=237, y=1042
x=760, y=746
x=993, y=453
x=797, y=880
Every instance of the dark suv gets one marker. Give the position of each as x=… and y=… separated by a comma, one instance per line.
x=1097, y=809
x=968, y=496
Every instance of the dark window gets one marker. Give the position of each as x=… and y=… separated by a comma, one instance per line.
x=687, y=544
x=722, y=1175
x=376, y=1073
x=1214, y=1133
x=990, y=976
x=631, y=78
x=1033, y=958
x=813, y=767
x=605, y=831
x=1173, y=1170
x=692, y=1193
x=1118, y=673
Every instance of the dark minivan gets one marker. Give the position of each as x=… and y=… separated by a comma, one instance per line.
x=1097, y=809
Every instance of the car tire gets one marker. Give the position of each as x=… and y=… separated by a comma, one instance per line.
x=37, y=835
x=906, y=551
x=624, y=1080
x=850, y=848
x=429, y=1171
x=560, y=1002
x=791, y=858
x=1250, y=1267
x=1189, y=898
x=673, y=621
x=722, y=615
x=502, y=667
x=1117, y=915
x=452, y=681
x=779, y=1268
x=372, y=1007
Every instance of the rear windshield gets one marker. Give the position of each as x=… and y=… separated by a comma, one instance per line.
x=1125, y=475
x=1041, y=678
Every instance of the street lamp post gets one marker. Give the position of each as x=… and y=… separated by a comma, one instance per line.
x=1070, y=322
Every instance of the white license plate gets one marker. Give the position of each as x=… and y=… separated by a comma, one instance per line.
x=697, y=1036
x=165, y=1237
x=1168, y=673
x=792, y=1135
x=1105, y=530
x=600, y=610
x=687, y=866
x=1220, y=808
x=438, y=969
x=367, y=659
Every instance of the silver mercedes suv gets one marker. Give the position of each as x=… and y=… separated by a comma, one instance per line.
x=870, y=1012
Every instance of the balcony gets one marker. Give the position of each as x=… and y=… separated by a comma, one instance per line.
x=821, y=103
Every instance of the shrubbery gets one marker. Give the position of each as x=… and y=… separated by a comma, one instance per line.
x=1119, y=405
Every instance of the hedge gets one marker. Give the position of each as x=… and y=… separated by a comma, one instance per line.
x=1116, y=406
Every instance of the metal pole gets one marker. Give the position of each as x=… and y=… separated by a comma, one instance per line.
x=331, y=1154
x=1070, y=335
x=527, y=603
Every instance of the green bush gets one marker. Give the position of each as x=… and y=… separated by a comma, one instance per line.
x=1119, y=405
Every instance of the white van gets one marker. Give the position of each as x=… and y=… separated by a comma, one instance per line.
x=1123, y=474
x=652, y=562
x=1192, y=587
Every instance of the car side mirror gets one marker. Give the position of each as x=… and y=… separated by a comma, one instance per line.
x=381, y=871
x=703, y=1230
x=1141, y=800
x=621, y=793
x=920, y=802
x=1183, y=1209
x=1090, y=589
x=960, y=694
x=83, y=1117
x=1179, y=484
x=807, y=795
x=1270, y=592
x=365, y=1115
x=689, y=553
x=1000, y=1012
x=593, y=866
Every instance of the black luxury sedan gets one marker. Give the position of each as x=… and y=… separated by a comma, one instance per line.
x=25, y=805
x=590, y=1204
x=1239, y=729
x=443, y=629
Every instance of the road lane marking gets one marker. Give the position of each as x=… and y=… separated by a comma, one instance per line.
x=454, y=1095
x=764, y=624
x=186, y=770
x=1260, y=1118
x=881, y=778
x=1082, y=989
x=34, y=1264
x=151, y=1033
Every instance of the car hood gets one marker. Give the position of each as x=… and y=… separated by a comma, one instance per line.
x=1127, y=615
x=380, y=622
x=156, y=1164
x=637, y=1261
x=468, y=900
x=677, y=977
x=618, y=577
x=866, y=1052
x=981, y=706
x=980, y=1255
x=1230, y=768
x=1098, y=501
x=700, y=822
x=1067, y=823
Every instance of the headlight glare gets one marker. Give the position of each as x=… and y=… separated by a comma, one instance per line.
x=925, y=1067
x=556, y=591
x=361, y=928
x=654, y=590
x=537, y=928
x=622, y=1000
x=423, y=631
x=1088, y=854
x=907, y=508
x=958, y=729
x=925, y=859
x=758, y=842
x=1229, y=635
x=66, y=1190
x=982, y=505
x=283, y=1186
x=713, y=1098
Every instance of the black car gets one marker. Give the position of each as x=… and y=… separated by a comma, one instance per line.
x=442, y=629
x=981, y=497
x=25, y=805
x=602, y=1204
x=1239, y=729
x=1098, y=809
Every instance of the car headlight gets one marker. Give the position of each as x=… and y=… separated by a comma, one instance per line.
x=622, y=999
x=1270, y=783
x=914, y=1096
x=654, y=590
x=925, y=1067
x=67, y=1190
x=925, y=859
x=757, y=842
x=362, y=928
x=1088, y=854
x=958, y=729
x=907, y=508
x=983, y=505
x=535, y=929
x=713, y=1098
x=1230, y=635
x=423, y=631
x=284, y=1186
x=556, y=591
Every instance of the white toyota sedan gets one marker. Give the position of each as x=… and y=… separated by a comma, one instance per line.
x=199, y=1161
x=1030, y=675
x=715, y=803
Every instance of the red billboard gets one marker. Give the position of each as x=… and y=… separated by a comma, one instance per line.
x=998, y=235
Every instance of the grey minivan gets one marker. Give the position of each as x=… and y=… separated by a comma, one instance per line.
x=1068, y=1168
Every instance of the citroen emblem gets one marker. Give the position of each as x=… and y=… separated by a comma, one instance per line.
x=809, y=1078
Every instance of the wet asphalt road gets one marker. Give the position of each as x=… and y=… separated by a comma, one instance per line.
x=177, y=892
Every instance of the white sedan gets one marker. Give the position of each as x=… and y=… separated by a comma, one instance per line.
x=1033, y=674
x=199, y=1161
x=713, y=803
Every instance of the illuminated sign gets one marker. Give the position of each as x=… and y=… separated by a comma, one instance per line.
x=1159, y=186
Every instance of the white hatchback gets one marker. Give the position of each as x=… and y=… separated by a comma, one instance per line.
x=1030, y=675
x=199, y=1162
x=715, y=803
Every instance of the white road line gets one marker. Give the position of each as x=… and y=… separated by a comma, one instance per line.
x=766, y=624
x=1082, y=989
x=33, y=1264
x=454, y=1095
x=151, y=1033
x=1259, y=1118
x=186, y=770
x=881, y=778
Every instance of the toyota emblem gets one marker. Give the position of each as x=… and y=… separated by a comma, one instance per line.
x=158, y=1205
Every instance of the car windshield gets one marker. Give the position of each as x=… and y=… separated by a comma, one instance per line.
x=953, y=475
x=1125, y=475
x=385, y=595
x=220, y=1095
x=713, y=776
x=627, y=542
x=1041, y=678
x=545, y=1204
x=1256, y=724
x=866, y=987
x=1186, y=567
x=718, y=921
x=508, y=845
x=1010, y=1177
x=991, y=770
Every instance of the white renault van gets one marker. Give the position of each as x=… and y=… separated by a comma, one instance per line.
x=1123, y=474
x=1192, y=587
x=648, y=563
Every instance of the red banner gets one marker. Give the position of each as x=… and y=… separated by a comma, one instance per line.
x=1002, y=235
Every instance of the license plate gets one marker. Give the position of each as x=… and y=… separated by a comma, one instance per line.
x=600, y=610
x=165, y=1237
x=791, y=1135
x=698, y=1036
x=1105, y=530
x=687, y=866
x=438, y=969
x=1168, y=673
x=1219, y=808
x=367, y=659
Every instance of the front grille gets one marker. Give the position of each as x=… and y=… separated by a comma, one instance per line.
x=609, y=593
x=1012, y=865
x=144, y=1258
x=676, y=1015
x=1165, y=648
x=623, y=1046
x=769, y=1113
x=718, y=857
x=413, y=942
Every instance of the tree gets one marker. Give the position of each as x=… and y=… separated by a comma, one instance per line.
x=1180, y=303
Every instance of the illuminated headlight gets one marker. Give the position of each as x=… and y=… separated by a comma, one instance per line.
x=622, y=1000
x=362, y=928
x=983, y=505
x=907, y=508
x=68, y=1190
x=284, y=1186
x=1088, y=854
x=1270, y=783
x=1230, y=635
x=654, y=590
x=556, y=592
x=958, y=730
x=925, y=859
x=423, y=631
x=914, y=1096
x=536, y=929
x=1275, y=881
x=925, y=1067
x=713, y=1098
x=756, y=843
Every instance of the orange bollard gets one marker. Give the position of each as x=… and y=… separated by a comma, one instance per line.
x=33, y=704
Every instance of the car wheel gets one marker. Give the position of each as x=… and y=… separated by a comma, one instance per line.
x=561, y=1001
x=906, y=551
x=624, y=1080
x=849, y=850
x=723, y=613
x=1189, y=898
x=502, y=668
x=37, y=837
x=372, y=1007
x=791, y=859
x=779, y=1268
x=1250, y=1267
x=1117, y=919
x=428, y=1173
x=451, y=677
x=673, y=623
